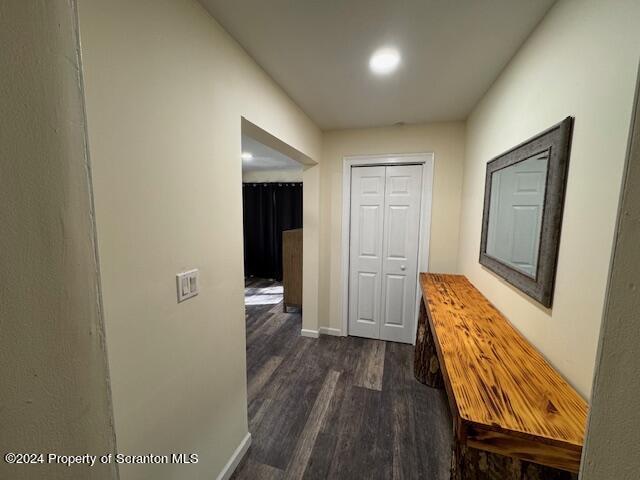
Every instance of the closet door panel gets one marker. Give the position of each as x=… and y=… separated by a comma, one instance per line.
x=401, y=234
x=365, y=251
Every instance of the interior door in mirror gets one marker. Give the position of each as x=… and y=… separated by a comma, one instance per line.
x=522, y=218
x=515, y=213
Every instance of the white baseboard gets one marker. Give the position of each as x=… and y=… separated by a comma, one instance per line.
x=309, y=333
x=235, y=459
x=336, y=332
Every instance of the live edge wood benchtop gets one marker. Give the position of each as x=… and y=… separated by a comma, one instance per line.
x=505, y=397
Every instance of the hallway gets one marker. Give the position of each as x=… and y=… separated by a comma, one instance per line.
x=336, y=407
x=465, y=174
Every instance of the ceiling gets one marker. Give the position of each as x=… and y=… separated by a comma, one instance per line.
x=265, y=158
x=318, y=52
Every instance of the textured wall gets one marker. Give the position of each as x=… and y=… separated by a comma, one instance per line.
x=612, y=449
x=581, y=60
x=55, y=394
x=166, y=91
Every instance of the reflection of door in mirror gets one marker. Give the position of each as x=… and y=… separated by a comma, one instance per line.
x=515, y=213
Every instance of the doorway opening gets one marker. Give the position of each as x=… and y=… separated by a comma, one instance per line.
x=272, y=194
x=273, y=205
x=386, y=226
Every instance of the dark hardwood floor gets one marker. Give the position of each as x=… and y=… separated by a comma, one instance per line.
x=335, y=407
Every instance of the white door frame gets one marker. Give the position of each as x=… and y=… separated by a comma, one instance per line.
x=425, y=159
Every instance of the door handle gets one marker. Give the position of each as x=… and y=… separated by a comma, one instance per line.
x=403, y=267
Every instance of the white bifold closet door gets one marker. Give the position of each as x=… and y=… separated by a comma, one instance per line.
x=383, y=256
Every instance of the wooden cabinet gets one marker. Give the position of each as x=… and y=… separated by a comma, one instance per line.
x=292, y=268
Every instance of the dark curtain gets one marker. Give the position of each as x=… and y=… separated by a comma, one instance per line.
x=269, y=208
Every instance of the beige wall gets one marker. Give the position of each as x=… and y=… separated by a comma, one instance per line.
x=311, y=248
x=166, y=89
x=613, y=439
x=258, y=176
x=53, y=366
x=581, y=61
x=445, y=140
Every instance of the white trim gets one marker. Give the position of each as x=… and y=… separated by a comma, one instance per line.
x=336, y=332
x=236, y=458
x=427, y=159
x=305, y=332
x=425, y=232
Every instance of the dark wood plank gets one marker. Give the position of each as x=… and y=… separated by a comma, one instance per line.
x=256, y=411
x=339, y=349
x=299, y=430
x=371, y=365
x=256, y=383
x=257, y=471
x=307, y=439
x=434, y=434
x=406, y=439
x=275, y=341
x=293, y=398
x=355, y=451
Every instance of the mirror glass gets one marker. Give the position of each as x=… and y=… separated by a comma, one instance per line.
x=515, y=213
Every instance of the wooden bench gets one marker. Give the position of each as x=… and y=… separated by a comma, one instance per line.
x=514, y=415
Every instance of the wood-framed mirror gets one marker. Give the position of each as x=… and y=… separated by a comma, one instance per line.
x=522, y=218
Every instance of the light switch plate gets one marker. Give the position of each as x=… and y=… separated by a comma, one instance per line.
x=187, y=284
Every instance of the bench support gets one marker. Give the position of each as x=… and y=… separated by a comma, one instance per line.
x=469, y=463
x=426, y=366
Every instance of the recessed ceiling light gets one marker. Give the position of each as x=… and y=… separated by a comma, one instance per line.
x=246, y=156
x=384, y=61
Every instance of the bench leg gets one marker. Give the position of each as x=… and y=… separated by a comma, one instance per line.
x=426, y=367
x=472, y=464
